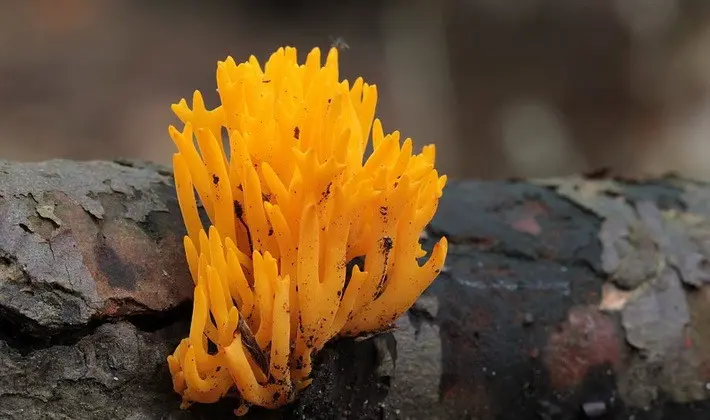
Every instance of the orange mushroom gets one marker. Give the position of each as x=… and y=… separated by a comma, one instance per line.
x=290, y=205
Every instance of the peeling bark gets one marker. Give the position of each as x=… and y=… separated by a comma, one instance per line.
x=566, y=298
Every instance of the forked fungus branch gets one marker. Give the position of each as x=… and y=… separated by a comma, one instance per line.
x=292, y=203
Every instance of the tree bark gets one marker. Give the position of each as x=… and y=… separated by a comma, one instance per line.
x=561, y=299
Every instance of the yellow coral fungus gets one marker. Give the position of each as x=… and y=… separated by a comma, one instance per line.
x=292, y=204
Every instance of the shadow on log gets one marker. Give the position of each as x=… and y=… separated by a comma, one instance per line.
x=561, y=299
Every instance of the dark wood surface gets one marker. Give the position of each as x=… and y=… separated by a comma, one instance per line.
x=561, y=299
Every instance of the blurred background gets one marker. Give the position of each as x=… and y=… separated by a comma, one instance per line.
x=505, y=88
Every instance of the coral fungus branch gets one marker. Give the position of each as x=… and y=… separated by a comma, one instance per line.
x=292, y=202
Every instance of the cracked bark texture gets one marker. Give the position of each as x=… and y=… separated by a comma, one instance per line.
x=561, y=299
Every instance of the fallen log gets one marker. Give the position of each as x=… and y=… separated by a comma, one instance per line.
x=569, y=298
